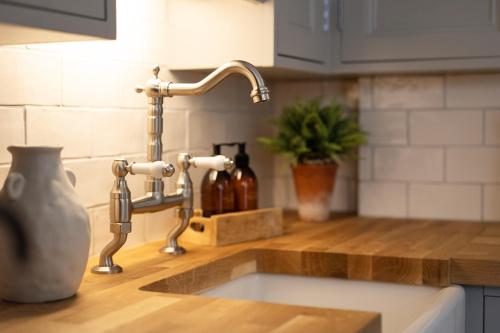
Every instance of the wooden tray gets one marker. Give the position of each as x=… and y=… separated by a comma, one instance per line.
x=231, y=228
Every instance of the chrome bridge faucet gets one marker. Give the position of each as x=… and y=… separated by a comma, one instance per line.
x=122, y=206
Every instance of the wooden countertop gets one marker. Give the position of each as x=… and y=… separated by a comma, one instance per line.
x=149, y=295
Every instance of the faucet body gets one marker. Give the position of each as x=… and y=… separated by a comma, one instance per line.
x=122, y=206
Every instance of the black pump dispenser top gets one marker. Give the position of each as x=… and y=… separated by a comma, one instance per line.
x=241, y=160
x=216, y=148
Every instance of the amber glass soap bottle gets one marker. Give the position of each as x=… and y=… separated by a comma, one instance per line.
x=244, y=181
x=217, y=194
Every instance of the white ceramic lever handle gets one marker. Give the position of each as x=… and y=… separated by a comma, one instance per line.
x=156, y=169
x=219, y=162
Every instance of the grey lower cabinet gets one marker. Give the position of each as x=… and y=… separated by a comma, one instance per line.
x=36, y=21
x=482, y=309
x=409, y=35
x=491, y=314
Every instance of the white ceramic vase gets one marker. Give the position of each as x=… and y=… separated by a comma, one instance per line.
x=39, y=192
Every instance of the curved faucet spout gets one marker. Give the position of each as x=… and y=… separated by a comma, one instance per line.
x=155, y=87
x=259, y=93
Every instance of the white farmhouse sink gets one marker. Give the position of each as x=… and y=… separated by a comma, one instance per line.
x=404, y=308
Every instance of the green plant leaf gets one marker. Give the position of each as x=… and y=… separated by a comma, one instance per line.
x=307, y=130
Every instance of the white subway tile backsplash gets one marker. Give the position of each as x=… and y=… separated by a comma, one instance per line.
x=365, y=163
x=129, y=76
x=344, y=198
x=446, y=128
x=382, y=199
x=347, y=169
x=408, y=164
x=261, y=160
x=473, y=165
x=491, y=204
x=473, y=90
x=206, y=128
x=99, y=82
x=445, y=201
x=117, y=132
x=492, y=127
x=287, y=93
x=94, y=180
x=196, y=199
x=174, y=130
x=30, y=77
x=157, y=225
x=11, y=129
x=68, y=128
x=241, y=126
x=284, y=192
x=452, y=147
x=396, y=92
x=385, y=128
x=266, y=195
x=345, y=92
x=365, y=93
x=282, y=166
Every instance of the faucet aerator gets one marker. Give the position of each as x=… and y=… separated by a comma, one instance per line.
x=260, y=95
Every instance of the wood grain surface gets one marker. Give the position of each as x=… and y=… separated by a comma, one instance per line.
x=152, y=293
x=232, y=228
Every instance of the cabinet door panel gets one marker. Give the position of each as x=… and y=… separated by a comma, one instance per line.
x=41, y=21
x=491, y=314
x=303, y=29
x=384, y=30
x=88, y=8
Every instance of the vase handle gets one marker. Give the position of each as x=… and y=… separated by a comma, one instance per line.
x=14, y=185
x=71, y=176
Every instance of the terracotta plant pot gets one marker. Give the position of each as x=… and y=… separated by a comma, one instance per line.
x=314, y=186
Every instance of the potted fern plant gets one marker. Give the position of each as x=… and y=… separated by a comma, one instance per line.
x=317, y=137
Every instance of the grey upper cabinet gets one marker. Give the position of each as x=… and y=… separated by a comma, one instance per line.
x=408, y=35
x=35, y=21
x=282, y=37
x=303, y=29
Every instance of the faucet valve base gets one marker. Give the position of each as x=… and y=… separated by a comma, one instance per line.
x=107, y=269
x=177, y=250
